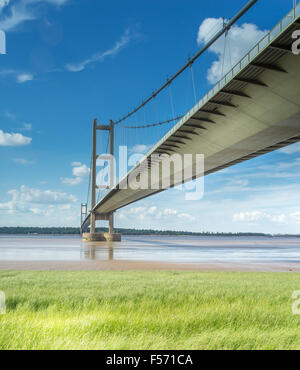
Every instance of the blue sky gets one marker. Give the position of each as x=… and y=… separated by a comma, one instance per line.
x=69, y=61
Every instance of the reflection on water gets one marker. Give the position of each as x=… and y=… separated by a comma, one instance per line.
x=187, y=249
x=98, y=251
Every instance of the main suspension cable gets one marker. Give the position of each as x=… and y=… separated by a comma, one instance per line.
x=193, y=84
x=156, y=124
x=191, y=61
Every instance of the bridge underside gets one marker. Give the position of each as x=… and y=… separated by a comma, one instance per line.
x=257, y=111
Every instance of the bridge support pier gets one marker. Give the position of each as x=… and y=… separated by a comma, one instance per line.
x=93, y=236
x=101, y=237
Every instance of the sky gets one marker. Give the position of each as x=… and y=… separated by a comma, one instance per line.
x=70, y=61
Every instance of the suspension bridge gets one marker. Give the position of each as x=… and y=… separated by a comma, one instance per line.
x=253, y=110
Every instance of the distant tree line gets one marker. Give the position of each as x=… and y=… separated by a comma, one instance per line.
x=76, y=231
x=40, y=230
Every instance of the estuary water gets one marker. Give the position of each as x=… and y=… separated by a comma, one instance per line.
x=177, y=249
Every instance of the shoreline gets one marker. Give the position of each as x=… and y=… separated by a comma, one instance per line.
x=144, y=266
x=163, y=234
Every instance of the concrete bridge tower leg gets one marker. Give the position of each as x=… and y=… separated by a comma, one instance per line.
x=111, y=224
x=93, y=236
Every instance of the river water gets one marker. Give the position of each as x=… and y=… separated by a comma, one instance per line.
x=179, y=249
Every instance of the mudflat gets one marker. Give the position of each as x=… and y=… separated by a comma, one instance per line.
x=140, y=266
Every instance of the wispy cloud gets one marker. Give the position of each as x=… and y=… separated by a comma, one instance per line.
x=13, y=13
x=10, y=115
x=24, y=77
x=101, y=56
x=27, y=127
x=255, y=216
x=20, y=11
x=18, y=14
x=22, y=161
x=3, y=4
x=18, y=76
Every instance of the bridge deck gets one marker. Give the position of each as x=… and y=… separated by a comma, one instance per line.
x=253, y=110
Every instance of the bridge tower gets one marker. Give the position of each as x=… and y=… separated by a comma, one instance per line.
x=94, y=216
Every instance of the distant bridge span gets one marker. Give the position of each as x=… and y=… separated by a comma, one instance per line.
x=253, y=110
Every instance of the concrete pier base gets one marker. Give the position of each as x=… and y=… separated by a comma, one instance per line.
x=101, y=237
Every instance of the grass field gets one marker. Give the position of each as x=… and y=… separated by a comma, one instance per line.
x=149, y=310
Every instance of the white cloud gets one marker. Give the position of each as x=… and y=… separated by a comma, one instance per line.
x=3, y=4
x=76, y=164
x=65, y=206
x=24, y=77
x=7, y=139
x=277, y=204
x=25, y=198
x=37, y=196
x=18, y=14
x=80, y=172
x=21, y=11
x=20, y=77
x=187, y=217
x=152, y=210
x=170, y=212
x=259, y=217
x=56, y=208
x=72, y=181
x=141, y=149
x=140, y=213
x=154, y=213
x=296, y=217
x=278, y=218
x=240, y=39
x=255, y=216
x=100, y=57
